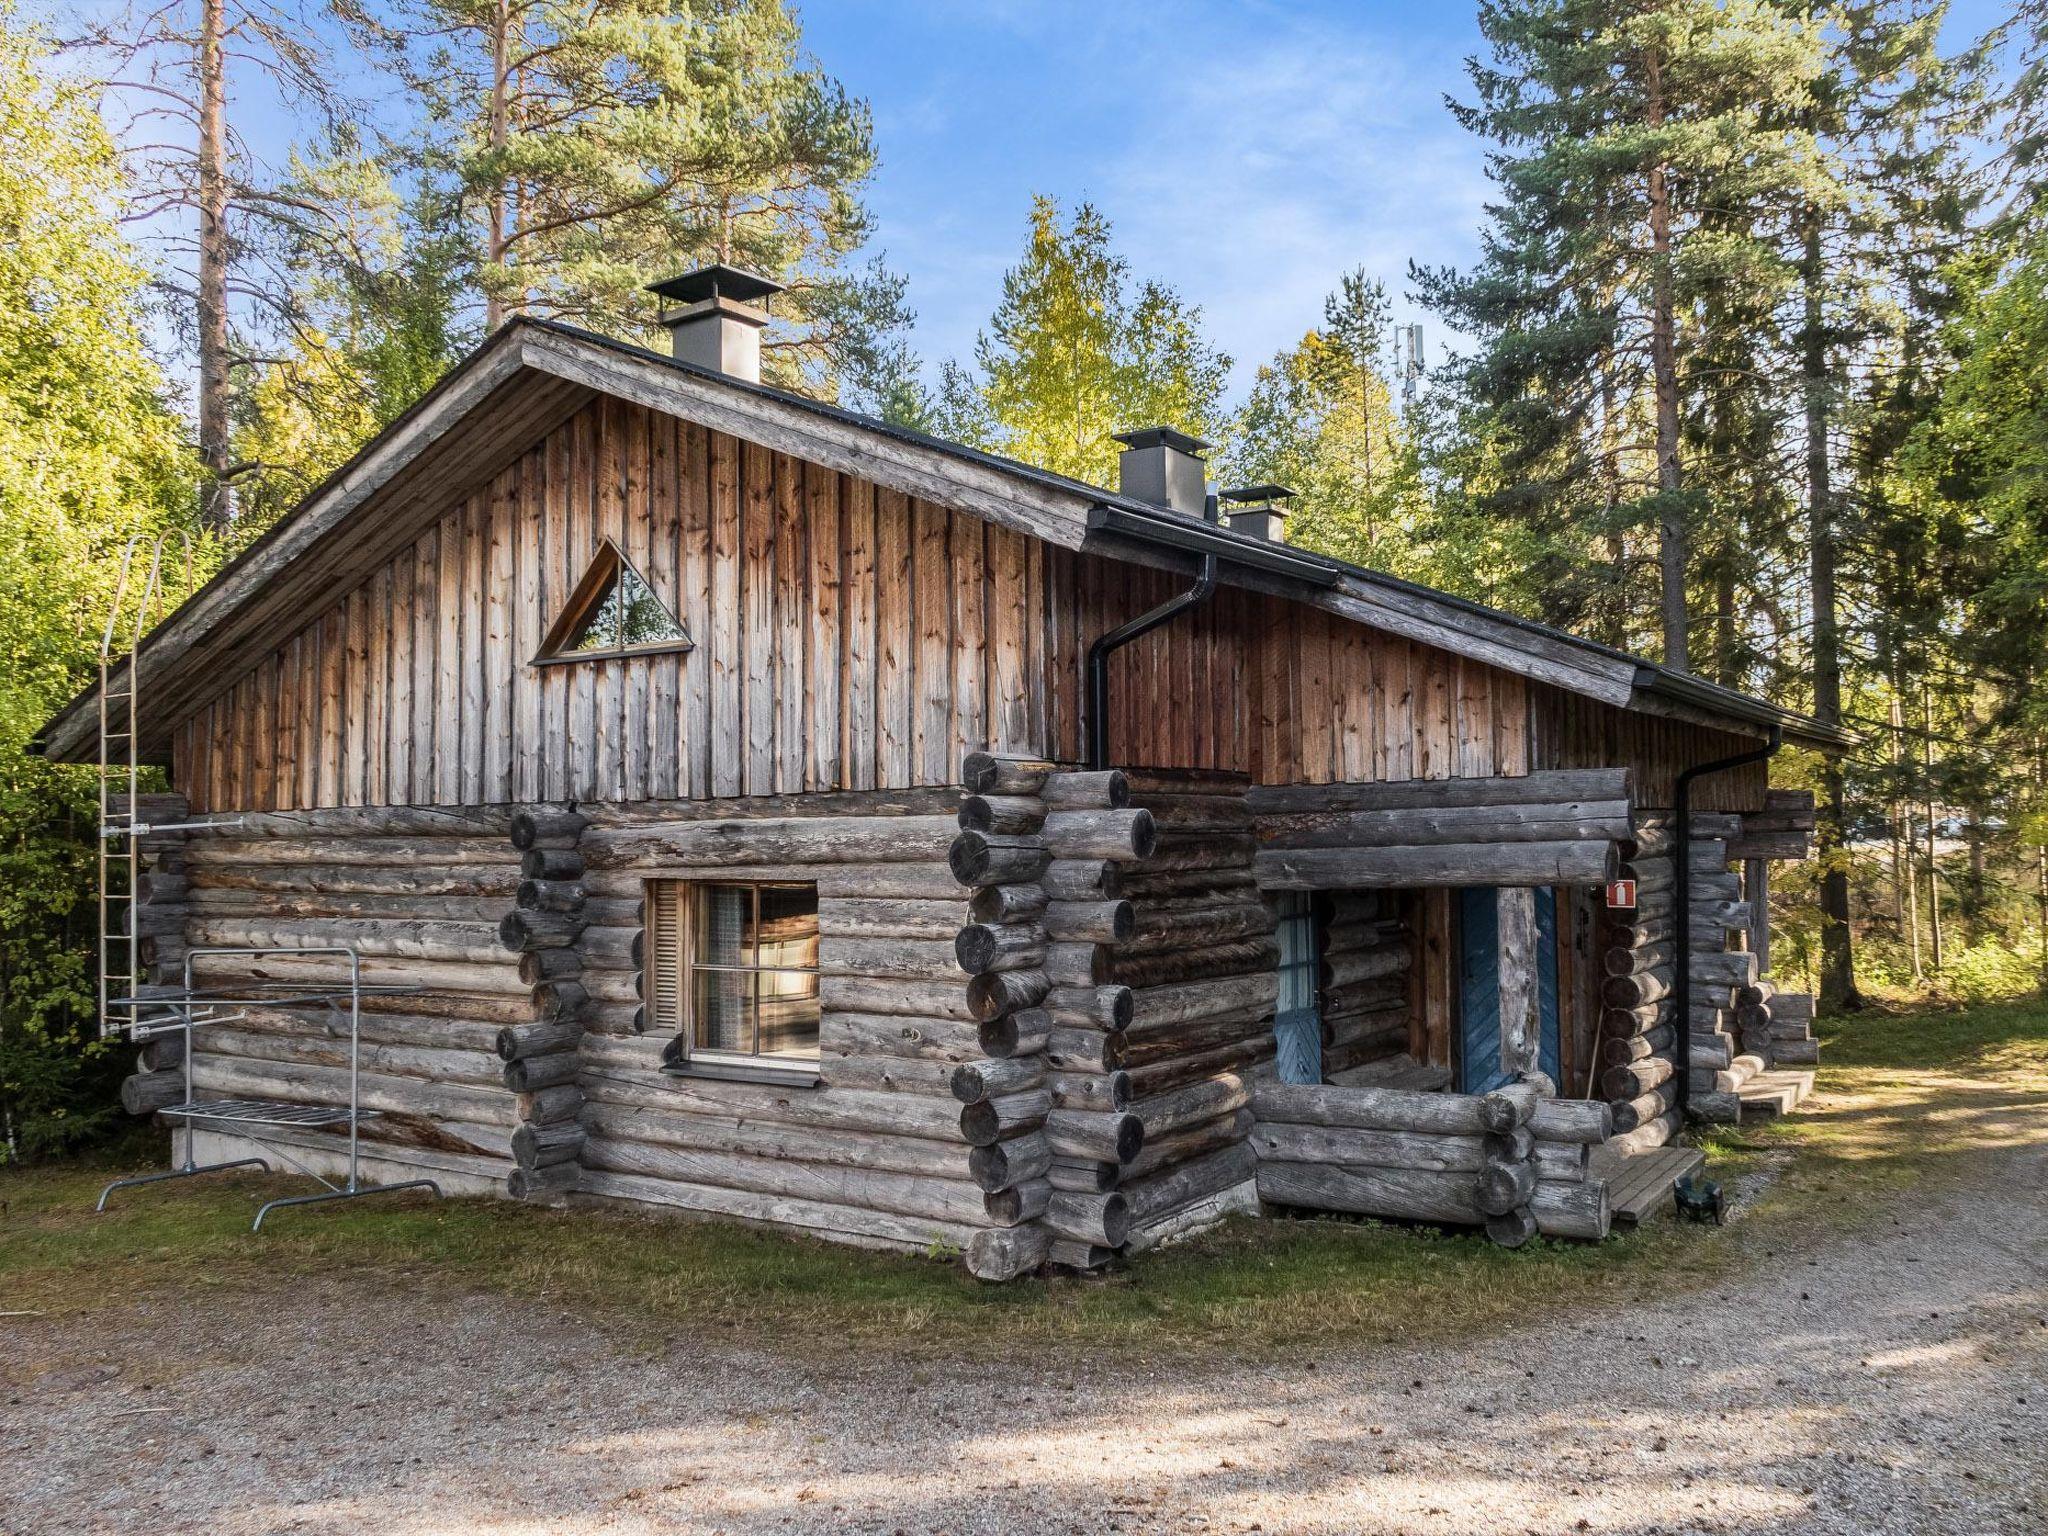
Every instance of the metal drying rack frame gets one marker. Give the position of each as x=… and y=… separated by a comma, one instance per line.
x=189, y=1008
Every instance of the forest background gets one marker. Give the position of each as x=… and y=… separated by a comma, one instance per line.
x=1749, y=373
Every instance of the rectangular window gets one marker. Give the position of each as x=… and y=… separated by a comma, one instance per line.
x=734, y=971
x=1297, y=1021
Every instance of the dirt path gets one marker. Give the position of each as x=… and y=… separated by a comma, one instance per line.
x=1894, y=1378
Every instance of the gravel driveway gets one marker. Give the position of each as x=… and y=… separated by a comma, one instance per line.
x=1889, y=1379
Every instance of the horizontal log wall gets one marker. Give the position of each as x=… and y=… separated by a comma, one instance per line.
x=421, y=898
x=1512, y=1161
x=1365, y=986
x=878, y=1152
x=1202, y=965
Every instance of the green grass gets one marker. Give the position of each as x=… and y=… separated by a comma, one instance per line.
x=1905, y=1098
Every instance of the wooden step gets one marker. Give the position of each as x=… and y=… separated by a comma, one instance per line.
x=1778, y=1091
x=1639, y=1187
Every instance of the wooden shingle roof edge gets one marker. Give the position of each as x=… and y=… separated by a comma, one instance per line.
x=194, y=648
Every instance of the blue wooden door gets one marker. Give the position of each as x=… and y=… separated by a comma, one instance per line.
x=1479, y=1066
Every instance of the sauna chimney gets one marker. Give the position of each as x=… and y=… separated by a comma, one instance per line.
x=1257, y=510
x=714, y=316
x=1164, y=467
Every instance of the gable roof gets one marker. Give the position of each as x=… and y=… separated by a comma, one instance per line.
x=531, y=374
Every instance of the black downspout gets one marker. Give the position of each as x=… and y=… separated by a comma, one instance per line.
x=1682, y=801
x=1105, y=645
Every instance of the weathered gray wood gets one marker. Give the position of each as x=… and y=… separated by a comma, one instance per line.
x=984, y=858
x=986, y=773
x=991, y=1120
x=1578, y=1210
x=1004, y=1253
x=1103, y=1220
x=1502, y=1187
x=1553, y=786
x=1119, y=836
x=1315, y=869
x=1108, y=790
x=1025, y=1201
x=1520, y=1025
x=1012, y=815
x=919, y=1234
x=144, y=1093
x=1385, y=1109
x=974, y=1081
x=1002, y=1164
x=1350, y=1146
x=1585, y=1122
x=543, y=1146
x=1420, y=826
x=1406, y=1193
x=1156, y=1195
x=957, y=1199
x=1111, y=1137
x=785, y=840
x=1008, y=903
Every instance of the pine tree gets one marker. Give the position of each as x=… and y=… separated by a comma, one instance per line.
x=594, y=146
x=377, y=284
x=193, y=75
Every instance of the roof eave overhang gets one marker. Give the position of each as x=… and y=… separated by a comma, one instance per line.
x=1680, y=695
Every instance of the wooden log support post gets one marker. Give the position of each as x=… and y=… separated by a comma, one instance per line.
x=1521, y=1032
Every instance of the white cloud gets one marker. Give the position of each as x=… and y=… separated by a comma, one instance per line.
x=1249, y=156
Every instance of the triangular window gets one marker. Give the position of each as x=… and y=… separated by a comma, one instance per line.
x=612, y=612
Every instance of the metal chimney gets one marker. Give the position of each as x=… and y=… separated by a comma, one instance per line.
x=718, y=317
x=1256, y=510
x=1164, y=467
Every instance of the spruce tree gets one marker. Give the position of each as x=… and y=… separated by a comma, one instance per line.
x=1641, y=148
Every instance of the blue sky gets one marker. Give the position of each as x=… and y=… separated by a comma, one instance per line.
x=1249, y=153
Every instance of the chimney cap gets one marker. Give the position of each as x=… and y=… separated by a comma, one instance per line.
x=716, y=281
x=1161, y=437
x=1255, y=493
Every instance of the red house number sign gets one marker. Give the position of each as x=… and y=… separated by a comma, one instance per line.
x=1621, y=894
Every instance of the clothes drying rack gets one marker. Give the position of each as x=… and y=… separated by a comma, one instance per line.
x=188, y=1008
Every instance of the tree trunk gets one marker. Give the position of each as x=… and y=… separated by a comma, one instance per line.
x=1671, y=539
x=500, y=134
x=1837, y=964
x=216, y=507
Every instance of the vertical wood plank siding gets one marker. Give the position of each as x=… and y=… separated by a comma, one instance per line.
x=846, y=637
x=1575, y=732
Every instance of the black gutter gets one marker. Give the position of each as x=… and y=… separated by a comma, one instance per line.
x=1106, y=645
x=1682, y=906
x=1194, y=536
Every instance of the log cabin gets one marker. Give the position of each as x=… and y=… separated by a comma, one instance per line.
x=764, y=812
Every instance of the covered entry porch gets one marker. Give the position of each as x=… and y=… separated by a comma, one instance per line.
x=1472, y=904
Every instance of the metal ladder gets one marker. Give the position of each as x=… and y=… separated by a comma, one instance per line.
x=127, y=1006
